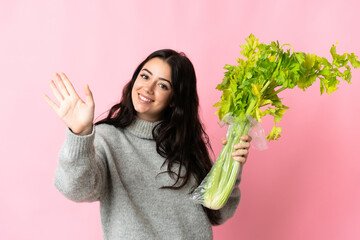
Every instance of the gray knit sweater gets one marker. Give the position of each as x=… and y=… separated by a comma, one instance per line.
x=119, y=168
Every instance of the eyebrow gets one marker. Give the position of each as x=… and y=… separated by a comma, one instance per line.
x=159, y=78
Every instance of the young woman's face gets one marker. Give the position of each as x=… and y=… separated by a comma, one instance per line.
x=152, y=90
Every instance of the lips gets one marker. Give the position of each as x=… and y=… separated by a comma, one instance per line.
x=144, y=99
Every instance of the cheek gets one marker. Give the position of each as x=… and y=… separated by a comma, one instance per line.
x=136, y=84
x=133, y=94
x=166, y=98
x=134, y=91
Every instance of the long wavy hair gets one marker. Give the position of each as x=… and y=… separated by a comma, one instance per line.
x=180, y=136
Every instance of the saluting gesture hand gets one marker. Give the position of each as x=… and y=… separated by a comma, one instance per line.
x=72, y=110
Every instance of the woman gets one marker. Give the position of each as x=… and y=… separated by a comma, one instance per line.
x=142, y=161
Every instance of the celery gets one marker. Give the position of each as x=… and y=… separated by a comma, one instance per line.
x=254, y=84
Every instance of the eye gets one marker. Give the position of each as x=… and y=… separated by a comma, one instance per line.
x=163, y=86
x=144, y=76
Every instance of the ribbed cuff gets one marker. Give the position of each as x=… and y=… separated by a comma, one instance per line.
x=77, y=146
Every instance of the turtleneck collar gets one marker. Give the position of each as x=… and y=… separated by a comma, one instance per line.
x=142, y=128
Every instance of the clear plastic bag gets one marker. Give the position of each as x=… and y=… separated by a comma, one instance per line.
x=257, y=133
x=215, y=189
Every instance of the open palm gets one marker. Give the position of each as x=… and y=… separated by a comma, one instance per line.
x=73, y=111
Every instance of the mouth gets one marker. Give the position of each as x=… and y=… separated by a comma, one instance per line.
x=144, y=99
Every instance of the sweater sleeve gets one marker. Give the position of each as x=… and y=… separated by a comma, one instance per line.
x=231, y=205
x=81, y=172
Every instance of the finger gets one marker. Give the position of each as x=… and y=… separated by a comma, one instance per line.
x=68, y=84
x=55, y=91
x=51, y=103
x=61, y=85
x=246, y=138
x=242, y=152
x=223, y=141
x=240, y=159
x=245, y=145
x=89, y=95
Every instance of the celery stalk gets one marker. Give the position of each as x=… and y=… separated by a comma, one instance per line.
x=220, y=181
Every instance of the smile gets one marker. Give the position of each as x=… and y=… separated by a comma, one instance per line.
x=145, y=99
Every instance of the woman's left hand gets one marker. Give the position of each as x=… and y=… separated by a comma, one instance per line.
x=242, y=149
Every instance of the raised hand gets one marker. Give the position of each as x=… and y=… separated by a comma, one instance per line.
x=72, y=110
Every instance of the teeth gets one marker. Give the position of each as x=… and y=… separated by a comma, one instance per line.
x=144, y=99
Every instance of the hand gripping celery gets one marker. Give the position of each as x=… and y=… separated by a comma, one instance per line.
x=250, y=91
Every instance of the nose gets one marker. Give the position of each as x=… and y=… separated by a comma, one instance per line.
x=149, y=87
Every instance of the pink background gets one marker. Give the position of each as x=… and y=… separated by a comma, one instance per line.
x=305, y=186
